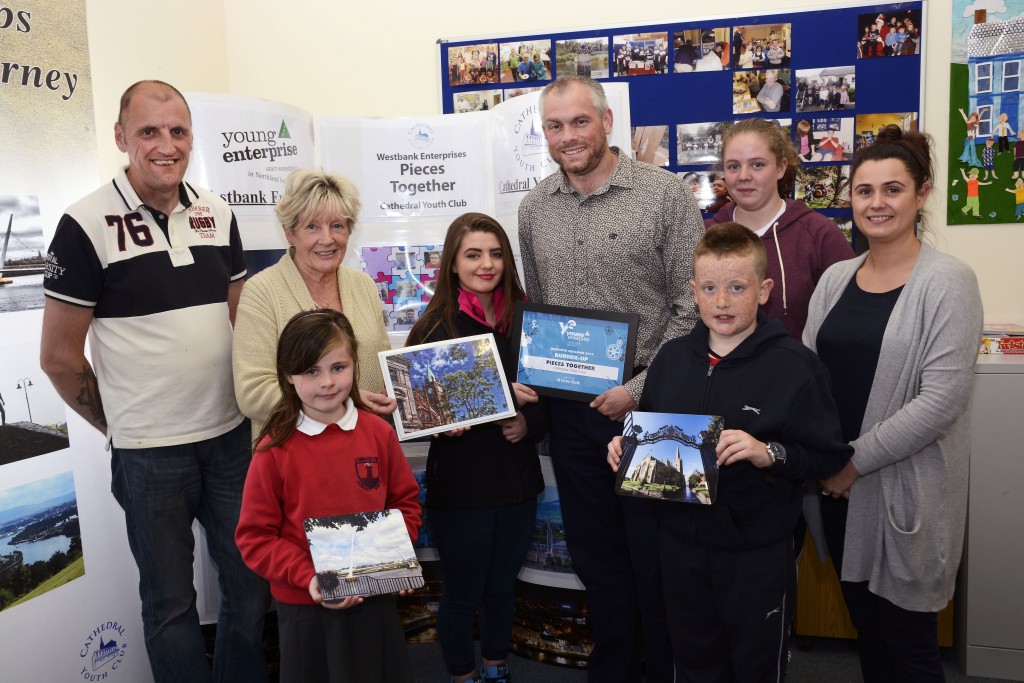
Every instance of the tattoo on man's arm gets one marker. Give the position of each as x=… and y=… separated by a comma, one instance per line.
x=89, y=395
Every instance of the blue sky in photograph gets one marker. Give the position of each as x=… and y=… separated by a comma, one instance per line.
x=438, y=359
x=36, y=495
x=373, y=545
x=666, y=450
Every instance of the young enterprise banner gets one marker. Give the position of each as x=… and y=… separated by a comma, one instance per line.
x=243, y=150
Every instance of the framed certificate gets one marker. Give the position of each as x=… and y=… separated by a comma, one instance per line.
x=573, y=353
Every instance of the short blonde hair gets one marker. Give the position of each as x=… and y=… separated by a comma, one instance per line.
x=307, y=191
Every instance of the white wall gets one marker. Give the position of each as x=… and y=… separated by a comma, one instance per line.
x=380, y=58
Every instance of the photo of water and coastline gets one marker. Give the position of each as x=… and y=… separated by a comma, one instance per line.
x=40, y=540
x=22, y=253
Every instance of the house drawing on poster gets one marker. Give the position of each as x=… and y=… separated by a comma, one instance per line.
x=994, y=54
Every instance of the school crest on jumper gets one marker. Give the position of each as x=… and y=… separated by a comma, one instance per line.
x=368, y=472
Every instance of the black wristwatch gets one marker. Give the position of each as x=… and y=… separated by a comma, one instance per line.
x=776, y=452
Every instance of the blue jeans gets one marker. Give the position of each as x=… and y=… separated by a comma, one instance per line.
x=162, y=490
x=481, y=551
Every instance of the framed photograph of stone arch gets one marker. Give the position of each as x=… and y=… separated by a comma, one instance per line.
x=666, y=456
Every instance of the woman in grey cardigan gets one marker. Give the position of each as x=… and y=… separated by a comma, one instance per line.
x=899, y=330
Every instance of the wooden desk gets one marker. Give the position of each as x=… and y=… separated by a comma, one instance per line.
x=820, y=610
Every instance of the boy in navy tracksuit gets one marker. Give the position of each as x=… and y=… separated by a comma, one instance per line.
x=728, y=568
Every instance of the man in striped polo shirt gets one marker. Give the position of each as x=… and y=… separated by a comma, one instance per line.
x=150, y=268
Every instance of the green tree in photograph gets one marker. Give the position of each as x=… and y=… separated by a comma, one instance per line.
x=466, y=392
x=57, y=561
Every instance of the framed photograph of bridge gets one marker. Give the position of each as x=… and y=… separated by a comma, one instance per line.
x=667, y=456
x=362, y=554
x=444, y=385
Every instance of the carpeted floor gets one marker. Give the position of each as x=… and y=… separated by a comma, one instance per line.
x=828, y=659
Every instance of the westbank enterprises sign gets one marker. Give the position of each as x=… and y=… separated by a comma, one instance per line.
x=433, y=167
x=419, y=173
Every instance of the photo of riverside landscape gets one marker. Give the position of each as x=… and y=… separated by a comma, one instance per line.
x=22, y=253
x=40, y=540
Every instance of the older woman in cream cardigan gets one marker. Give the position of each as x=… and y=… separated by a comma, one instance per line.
x=318, y=212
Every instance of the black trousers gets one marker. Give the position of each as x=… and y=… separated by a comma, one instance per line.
x=894, y=644
x=596, y=535
x=481, y=552
x=729, y=611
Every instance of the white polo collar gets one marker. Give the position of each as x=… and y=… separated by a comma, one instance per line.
x=311, y=427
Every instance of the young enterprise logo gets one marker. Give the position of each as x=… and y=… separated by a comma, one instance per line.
x=103, y=651
x=421, y=136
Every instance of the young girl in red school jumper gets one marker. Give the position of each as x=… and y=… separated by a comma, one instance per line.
x=482, y=483
x=311, y=461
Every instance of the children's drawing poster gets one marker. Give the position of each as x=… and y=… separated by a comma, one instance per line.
x=829, y=77
x=986, y=148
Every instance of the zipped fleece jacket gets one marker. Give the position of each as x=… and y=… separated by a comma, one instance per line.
x=808, y=243
x=771, y=387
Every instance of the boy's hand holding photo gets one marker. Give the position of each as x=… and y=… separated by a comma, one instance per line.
x=615, y=453
x=614, y=403
x=735, y=445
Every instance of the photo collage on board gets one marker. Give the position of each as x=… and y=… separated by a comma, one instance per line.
x=404, y=276
x=689, y=82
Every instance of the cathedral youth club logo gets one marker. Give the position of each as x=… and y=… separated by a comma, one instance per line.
x=421, y=136
x=102, y=651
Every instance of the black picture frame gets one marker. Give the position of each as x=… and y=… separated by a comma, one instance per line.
x=576, y=363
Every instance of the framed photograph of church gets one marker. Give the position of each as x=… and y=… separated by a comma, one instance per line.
x=667, y=456
x=573, y=353
x=445, y=385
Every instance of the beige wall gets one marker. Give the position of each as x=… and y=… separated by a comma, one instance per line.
x=380, y=58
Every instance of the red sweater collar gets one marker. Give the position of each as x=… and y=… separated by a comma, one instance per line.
x=469, y=303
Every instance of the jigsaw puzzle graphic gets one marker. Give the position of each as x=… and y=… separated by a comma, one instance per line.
x=405, y=279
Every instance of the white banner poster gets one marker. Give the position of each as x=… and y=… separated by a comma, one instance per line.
x=243, y=150
x=417, y=174
x=412, y=167
x=408, y=168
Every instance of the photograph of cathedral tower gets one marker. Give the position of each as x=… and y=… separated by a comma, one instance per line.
x=670, y=457
x=445, y=385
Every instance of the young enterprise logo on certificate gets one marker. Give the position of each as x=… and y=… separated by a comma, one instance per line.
x=571, y=352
